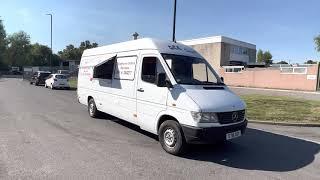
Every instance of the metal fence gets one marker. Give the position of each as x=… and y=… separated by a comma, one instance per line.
x=233, y=69
x=293, y=70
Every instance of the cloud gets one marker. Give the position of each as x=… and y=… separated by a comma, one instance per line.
x=25, y=15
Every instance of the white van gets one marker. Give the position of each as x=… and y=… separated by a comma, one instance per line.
x=166, y=88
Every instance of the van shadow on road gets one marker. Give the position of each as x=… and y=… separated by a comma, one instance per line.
x=259, y=150
x=256, y=150
x=126, y=124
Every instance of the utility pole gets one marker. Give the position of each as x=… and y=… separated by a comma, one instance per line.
x=174, y=21
x=50, y=42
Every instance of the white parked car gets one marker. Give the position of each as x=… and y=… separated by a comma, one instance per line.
x=57, y=81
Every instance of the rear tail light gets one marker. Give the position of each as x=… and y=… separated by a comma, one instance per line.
x=55, y=79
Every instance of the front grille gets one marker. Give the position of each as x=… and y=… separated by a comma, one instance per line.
x=231, y=117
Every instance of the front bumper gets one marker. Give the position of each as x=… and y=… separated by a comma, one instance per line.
x=196, y=135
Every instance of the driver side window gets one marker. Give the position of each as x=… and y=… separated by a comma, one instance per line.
x=151, y=67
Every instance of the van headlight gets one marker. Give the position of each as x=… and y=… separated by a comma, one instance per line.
x=205, y=117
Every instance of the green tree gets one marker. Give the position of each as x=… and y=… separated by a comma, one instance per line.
x=75, y=53
x=264, y=57
x=267, y=57
x=18, y=49
x=282, y=62
x=55, y=60
x=260, y=56
x=310, y=62
x=70, y=52
x=317, y=42
x=3, y=45
x=39, y=55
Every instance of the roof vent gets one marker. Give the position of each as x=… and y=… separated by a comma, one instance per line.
x=135, y=36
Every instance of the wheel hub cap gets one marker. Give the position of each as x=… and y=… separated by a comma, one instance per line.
x=91, y=108
x=169, y=137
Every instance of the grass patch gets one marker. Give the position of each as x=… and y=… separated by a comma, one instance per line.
x=73, y=82
x=281, y=109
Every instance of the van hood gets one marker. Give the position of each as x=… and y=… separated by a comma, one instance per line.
x=215, y=100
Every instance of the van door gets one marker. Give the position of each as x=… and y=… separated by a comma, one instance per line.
x=151, y=99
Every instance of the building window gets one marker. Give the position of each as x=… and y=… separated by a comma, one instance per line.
x=239, y=50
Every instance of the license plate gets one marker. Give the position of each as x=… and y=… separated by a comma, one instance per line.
x=233, y=135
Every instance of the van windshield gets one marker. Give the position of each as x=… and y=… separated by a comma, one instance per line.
x=191, y=70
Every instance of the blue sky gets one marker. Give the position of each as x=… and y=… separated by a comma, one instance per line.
x=285, y=27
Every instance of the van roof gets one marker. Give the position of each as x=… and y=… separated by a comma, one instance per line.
x=143, y=44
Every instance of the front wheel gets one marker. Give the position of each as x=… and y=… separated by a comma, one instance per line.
x=171, y=137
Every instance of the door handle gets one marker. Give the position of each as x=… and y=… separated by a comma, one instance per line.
x=140, y=90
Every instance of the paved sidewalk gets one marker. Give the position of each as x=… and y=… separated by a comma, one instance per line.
x=277, y=92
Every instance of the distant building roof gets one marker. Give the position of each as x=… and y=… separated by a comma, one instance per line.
x=218, y=39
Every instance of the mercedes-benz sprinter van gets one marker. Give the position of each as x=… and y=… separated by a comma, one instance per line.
x=164, y=87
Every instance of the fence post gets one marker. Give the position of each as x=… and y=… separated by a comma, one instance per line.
x=318, y=78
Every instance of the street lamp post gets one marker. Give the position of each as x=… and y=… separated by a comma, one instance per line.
x=50, y=42
x=174, y=21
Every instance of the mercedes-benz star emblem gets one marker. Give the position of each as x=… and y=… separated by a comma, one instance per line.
x=234, y=116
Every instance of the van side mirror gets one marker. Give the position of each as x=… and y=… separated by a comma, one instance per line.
x=222, y=79
x=162, y=82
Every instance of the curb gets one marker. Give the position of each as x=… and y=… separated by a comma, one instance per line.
x=286, y=123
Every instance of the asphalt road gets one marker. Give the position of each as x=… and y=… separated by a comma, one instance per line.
x=47, y=134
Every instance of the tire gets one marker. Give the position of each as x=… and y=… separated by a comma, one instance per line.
x=30, y=82
x=92, y=109
x=171, y=137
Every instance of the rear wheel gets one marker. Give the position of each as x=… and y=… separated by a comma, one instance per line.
x=171, y=137
x=92, y=109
